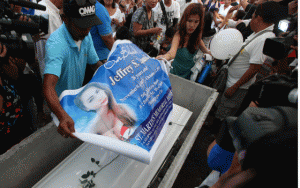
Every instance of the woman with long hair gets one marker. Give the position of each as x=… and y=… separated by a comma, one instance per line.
x=115, y=14
x=187, y=40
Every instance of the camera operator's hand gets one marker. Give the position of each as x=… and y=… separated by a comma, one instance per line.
x=283, y=34
x=295, y=47
x=19, y=63
x=24, y=18
x=3, y=50
x=37, y=37
x=293, y=7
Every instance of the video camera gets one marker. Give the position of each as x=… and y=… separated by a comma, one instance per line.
x=17, y=35
x=278, y=48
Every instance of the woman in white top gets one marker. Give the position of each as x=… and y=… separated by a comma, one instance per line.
x=184, y=3
x=223, y=10
x=115, y=14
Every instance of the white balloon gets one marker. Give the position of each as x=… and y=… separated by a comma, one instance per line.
x=226, y=44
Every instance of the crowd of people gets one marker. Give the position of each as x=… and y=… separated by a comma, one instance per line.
x=82, y=32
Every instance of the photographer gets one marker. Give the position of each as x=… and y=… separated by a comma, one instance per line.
x=29, y=83
x=256, y=149
x=13, y=126
x=276, y=72
x=243, y=25
x=242, y=72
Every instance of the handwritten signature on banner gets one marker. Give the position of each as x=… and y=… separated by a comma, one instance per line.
x=124, y=54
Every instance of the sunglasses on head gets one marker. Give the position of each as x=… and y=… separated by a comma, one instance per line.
x=122, y=6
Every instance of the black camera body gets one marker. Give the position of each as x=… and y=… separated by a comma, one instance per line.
x=19, y=46
x=17, y=35
x=279, y=47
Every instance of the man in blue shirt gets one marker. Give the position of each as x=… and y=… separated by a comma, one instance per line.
x=68, y=51
x=102, y=34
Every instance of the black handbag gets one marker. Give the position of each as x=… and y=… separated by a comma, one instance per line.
x=219, y=83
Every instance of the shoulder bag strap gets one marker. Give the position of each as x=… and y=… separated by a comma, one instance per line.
x=236, y=55
x=164, y=12
x=144, y=7
x=147, y=19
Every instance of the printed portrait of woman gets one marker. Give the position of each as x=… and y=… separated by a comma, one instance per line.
x=112, y=119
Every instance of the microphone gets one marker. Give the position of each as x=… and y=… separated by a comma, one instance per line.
x=27, y=4
x=21, y=26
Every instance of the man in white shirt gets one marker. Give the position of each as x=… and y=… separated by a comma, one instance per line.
x=172, y=12
x=242, y=72
x=52, y=9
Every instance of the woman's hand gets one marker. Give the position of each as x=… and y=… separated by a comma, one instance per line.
x=233, y=9
x=166, y=56
x=221, y=16
x=161, y=57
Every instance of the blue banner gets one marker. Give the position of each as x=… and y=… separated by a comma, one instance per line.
x=128, y=99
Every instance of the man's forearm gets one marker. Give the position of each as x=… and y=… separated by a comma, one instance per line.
x=250, y=73
x=147, y=32
x=108, y=41
x=54, y=104
x=51, y=95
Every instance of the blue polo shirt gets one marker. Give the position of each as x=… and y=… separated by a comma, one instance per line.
x=64, y=59
x=103, y=29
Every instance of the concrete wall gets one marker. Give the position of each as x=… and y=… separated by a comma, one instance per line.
x=26, y=163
